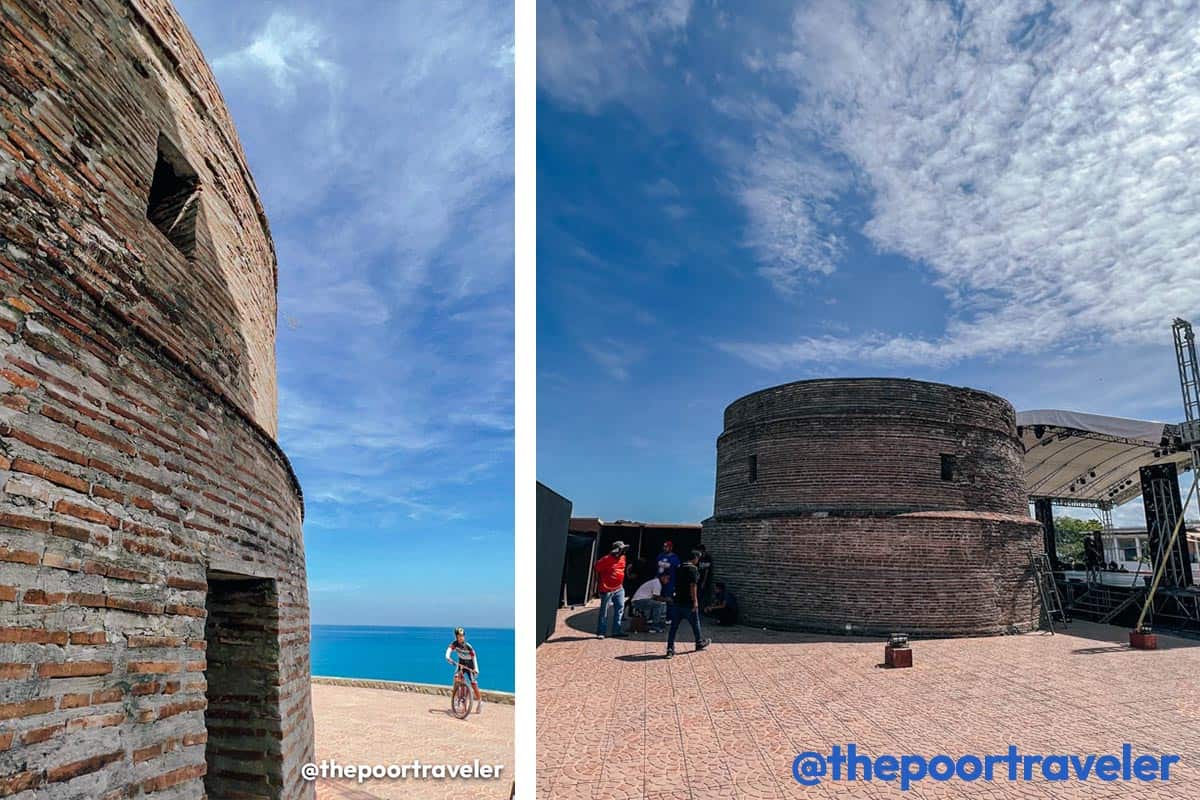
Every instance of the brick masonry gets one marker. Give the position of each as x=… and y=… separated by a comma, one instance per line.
x=835, y=509
x=153, y=608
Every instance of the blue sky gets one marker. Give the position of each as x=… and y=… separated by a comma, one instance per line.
x=732, y=196
x=381, y=142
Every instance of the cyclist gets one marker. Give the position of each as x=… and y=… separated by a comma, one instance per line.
x=468, y=660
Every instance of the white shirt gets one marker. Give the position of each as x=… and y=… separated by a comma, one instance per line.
x=648, y=589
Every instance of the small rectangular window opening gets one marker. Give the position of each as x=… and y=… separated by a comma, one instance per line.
x=753, y=462
x=174, y=197
x=948, y=467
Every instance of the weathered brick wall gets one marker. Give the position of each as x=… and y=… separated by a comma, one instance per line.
x=872, y=445
x=956, y=574
x=847, y=518
x=86, y=90
x=137, y=415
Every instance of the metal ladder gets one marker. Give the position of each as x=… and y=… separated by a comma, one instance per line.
x=1048, y=590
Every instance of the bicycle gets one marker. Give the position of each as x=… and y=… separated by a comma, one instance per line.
x=460, y=694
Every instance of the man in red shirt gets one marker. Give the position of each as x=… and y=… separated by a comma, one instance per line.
x=610, y=572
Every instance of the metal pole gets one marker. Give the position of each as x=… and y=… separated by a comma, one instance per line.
x=1162, y=564
x=1044, y=512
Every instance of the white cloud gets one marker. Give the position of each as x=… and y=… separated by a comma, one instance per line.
x=1040, y=164
x=287, y=50
x=615, y=358
x=1130, y=515
x=597, y=51
x=491, y=421
x=311, y=427
x=1007, y=330
x=790, y=203
x=393, y=143
x=506, y=56
x=354, y=299
x=383, y=152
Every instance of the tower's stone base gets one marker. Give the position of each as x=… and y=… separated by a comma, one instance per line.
x=925, y=574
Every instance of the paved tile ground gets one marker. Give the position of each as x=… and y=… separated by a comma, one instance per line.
x=615, y=720
x=377, y=726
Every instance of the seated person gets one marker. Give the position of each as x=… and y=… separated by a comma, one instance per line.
x=724, y=606
x=649, y=601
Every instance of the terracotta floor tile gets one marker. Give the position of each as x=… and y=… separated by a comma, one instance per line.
x=376, y=726
x=726, y=723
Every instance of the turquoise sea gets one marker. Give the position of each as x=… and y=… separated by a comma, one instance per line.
x=410, y=654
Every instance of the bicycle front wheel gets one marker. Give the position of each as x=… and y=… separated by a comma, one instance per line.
x=460, y=700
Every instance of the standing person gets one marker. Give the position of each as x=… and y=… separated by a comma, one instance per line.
x=610, y=571
x=468, y=659
x=706, y=574
x=668, y=563
x=649, y=600
x=1091, y=559
x=686, y=604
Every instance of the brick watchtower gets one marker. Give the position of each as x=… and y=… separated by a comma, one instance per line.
x=153, y=609
x=874, y=505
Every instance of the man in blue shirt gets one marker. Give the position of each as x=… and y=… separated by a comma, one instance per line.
x=668, y=563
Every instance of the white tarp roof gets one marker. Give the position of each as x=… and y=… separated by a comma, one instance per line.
x=1150, y=432
x=1092, y=458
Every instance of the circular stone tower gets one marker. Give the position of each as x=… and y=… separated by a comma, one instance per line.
x=873, y=506
x=153, y=609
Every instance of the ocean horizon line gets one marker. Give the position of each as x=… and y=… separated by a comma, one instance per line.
x=415, y=687
x=412, y=627
x=409, y=653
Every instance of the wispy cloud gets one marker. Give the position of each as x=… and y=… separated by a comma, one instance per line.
x=352, y=299
x=1035, y=159
x=614, y=357
x=395, y=244
x=288, y=50
x=793, y=221
x=1006, y=331
x=382, y=146
x=600, y=50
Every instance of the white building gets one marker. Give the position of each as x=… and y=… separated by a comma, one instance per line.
x=1128, y=546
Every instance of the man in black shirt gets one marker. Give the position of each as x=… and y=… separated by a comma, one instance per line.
x=686, y=603
x=706, y=573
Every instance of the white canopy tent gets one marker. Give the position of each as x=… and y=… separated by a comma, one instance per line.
x=1093, y=460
